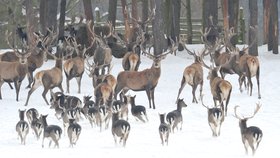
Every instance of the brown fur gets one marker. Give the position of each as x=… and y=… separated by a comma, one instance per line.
x=131, y=62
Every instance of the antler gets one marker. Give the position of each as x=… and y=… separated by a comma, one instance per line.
x=203, y=102
x=255, y=112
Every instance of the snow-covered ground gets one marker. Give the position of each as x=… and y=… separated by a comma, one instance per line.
x=194, y=140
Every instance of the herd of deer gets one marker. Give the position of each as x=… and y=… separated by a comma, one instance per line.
x=72, y=59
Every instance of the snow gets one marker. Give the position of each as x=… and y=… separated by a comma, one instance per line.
x=194, y=140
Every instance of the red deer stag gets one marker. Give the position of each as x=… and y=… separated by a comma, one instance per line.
x=15, y=71
x=193, y=74
x=145, y=80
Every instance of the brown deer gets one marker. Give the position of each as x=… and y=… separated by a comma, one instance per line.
x=14, y=71
x=251, y=136
x=215, y=119
x=74, y=67
x=49, y=79
x=220, y=88
x=145, y=80
x=193, y=74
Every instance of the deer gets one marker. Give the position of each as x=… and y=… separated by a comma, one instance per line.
x=73, y=131
x=14, y=71
x=145, y=80
x=131, y=61
x=251, y=136
x=121, y=107
x=39, y=46
x=49, y=79
x=30, y=113
x=120, y=128
x=22, y=127
x=193, y=74
x=215, y=118
x=138, y=111
x=175, y=117
x=74, y=67
x=220, y=88
x=163, y=129
x=53, y=132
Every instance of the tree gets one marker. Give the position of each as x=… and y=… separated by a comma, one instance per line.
x=160, y=43
x=112, y=12
x=175, y=24
x=189, y=21
x=266, y=15
x=52, y=6
x=210, y=19
x=62, y=18
x=253, y=37
x=88, y=10
x=273, y=27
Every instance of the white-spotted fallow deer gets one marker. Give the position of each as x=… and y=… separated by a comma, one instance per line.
x=215, y=119
x=175, y=117
x=52, y=132
x=73, y=131
x=251, y=136
x=120, y=129
x=22, y=127
x=163, y=129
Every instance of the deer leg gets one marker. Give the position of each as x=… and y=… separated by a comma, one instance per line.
x=200, y=90
x=79, y=83
x=148, y=92
x=153, y=97
x=183, y=83
x=44, y=95
x=30, y=79
x=33, y=88
x=10, y=85
x=17, y=86
x=67, y=84
x=258, y=82
x=193, y=93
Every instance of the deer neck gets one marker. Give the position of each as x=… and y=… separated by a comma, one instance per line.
x=44, y=122
x=58, y=63
x=161, y=119
x=243, y=126
x=21, y=115
x=115, y=117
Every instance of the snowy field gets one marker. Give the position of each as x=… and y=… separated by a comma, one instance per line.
x=194, y=140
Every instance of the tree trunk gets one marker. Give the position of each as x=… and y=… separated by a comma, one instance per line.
x=52, y=6
x=160, y=43
x=233, y=12
x=145, y=14
x=29, y=19
x=112, y=12
x=126, y=21
x=274, y=32
x=266, y=16
x=88, y=10
x=134, y=12
x=62, y=18
x=43, y=17
x=175, y=27
x=189, y=22
x=225, y=13
x=210, y=10
x=253, y=8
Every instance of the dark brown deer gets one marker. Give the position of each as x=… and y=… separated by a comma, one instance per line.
x=145, y=80
x=120, y=128
x=251, y=136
